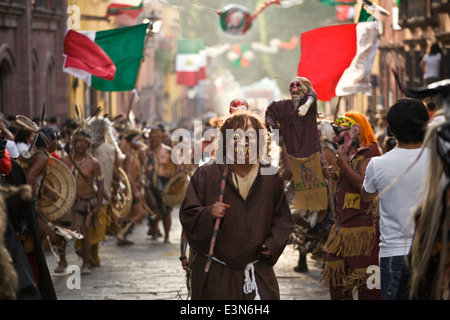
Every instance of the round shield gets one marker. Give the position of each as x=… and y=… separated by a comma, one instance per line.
x=175, y=190
x=123, y=206
x=58, y=190
x=24, y=159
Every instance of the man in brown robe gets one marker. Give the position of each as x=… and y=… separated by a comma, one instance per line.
x=255, y=222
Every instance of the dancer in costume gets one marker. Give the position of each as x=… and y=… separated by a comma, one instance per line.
x=89, y=195
x=159, y=170
x=254, y=217
x=134, y=169
x=352, y=245
x=107, y=152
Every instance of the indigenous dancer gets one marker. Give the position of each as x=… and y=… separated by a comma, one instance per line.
x=89, y=195
x=352, y=245
x=108, y=154
x=254, y=217
x=159, y=170
x=133, y=167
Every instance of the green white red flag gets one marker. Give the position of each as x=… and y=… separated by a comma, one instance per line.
x=190, y=62
x=338, y=59
x=91, y=56
x=131, y=8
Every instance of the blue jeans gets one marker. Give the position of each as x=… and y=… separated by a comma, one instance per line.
x=390, y=274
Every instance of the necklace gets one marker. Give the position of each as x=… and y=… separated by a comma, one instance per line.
x=81, y=161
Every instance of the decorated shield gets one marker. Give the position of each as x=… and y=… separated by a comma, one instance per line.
x=58, y=190
x=175, y=190
x=125, y=196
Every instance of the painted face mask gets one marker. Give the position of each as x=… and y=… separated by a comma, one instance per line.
x=347, y=133
x=295, y=88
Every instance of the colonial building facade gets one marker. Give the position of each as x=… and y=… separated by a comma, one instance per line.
x=406, y=35
x=31, y=58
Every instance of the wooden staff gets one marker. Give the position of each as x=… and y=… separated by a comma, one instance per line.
x=217, y=224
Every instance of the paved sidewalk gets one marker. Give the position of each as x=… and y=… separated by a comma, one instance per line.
x=151, y=270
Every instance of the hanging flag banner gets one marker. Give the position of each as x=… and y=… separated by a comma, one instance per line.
x=132, y=8
x=84, y=58
x=190, y=63
x=338, y=59
x=124, y=47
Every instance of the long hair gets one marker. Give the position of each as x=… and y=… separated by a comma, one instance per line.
x=428, y=217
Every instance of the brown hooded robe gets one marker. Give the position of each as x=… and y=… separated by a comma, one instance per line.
x=263, y=218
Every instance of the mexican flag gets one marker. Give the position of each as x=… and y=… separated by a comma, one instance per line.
x=338, y=2
x=131, y=8
x=338, y=59
x=92, y=56
x=190, y=62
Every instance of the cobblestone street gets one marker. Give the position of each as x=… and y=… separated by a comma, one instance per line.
x=151, y=270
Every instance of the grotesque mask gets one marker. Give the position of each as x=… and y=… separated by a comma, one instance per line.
x=347, y=135
x=295, y=88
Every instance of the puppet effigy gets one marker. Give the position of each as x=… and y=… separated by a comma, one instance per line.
x=296, y=118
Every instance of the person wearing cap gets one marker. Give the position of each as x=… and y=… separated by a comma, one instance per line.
x=352, y=244
x=89, y=195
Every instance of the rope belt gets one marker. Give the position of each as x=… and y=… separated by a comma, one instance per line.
x=249, y=280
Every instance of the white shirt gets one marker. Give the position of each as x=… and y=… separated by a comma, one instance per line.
x=12, y=149
x=398, y=203
x=432, y=65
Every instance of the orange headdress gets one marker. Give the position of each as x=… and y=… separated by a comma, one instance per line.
x=367, y=134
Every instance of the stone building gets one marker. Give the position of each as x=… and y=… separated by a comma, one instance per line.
x=405, y=37
x=31, y=58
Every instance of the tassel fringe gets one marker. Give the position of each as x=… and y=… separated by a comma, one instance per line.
x=350, y=242
x=334, y=273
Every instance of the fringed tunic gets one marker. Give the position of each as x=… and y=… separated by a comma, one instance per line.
x=352, y=245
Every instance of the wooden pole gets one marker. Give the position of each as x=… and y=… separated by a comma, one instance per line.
x=217, y=224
